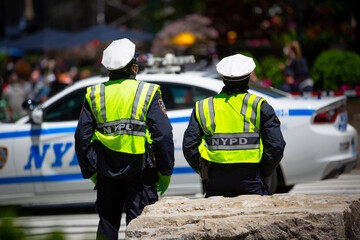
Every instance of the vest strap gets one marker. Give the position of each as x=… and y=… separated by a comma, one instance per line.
x=147, y=100
x=137, y=99
x=244, y=109
x=254, y=111
x=136, y=102
x=211, y=115
x=93, y=103
x=102, y=101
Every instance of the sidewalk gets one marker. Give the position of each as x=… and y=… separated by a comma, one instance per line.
x=347, y=183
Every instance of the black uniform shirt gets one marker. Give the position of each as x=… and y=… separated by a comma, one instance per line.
x=272, y=139
x=94, y=156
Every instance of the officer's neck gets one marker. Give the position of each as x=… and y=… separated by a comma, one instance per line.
x=238, y=90
x=120, y=75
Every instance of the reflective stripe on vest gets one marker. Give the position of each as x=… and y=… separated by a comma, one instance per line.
x=102, y=102
x=253, y=112
x=220, y=143
x=137, y=99
x=210, y=123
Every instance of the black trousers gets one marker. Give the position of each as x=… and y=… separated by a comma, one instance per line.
x=113, y=195
x=231, y=180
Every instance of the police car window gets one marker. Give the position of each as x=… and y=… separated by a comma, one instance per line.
x=177, y=96
x=273, y=92
x=201, y=93
x=67, y=108
x=181, y=96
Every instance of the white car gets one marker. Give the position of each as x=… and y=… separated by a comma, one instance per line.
x=38, y=164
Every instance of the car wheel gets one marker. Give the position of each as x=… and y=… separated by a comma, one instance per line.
x=272, y=182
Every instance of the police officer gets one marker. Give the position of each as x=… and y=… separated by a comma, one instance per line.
x=120, y=119
x=233, y=139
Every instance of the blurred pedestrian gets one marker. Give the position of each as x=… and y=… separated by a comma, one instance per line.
x=289, y=84
x=234, y=139
x=14, y=95
x=62, y=80
x=39, y=89
x=123, y=126
x=297, y=64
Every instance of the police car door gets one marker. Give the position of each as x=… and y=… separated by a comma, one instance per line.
x=14, y=181
x=51, y=155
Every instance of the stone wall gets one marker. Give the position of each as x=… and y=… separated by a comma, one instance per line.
x=281, y=216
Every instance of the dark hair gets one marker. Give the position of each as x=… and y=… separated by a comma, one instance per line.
x=124, y=72
x=235, y=86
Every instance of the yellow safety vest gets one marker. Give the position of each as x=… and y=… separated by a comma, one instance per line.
x=231, y=125
x=120, y=108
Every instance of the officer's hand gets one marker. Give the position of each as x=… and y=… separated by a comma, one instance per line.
x=93, y=178
x=163, y=183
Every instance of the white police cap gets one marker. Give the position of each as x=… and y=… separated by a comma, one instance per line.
x=236, y=67
x=118, y=54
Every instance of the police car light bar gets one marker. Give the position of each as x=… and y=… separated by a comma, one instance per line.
x=168, y=64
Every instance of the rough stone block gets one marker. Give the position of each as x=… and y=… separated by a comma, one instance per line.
x=281, y=216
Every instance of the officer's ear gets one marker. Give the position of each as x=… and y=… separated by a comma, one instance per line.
x=134, y=69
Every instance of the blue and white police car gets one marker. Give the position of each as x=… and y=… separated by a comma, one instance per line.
x=38, y=164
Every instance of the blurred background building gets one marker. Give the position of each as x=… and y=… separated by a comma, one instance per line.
x=249, y=22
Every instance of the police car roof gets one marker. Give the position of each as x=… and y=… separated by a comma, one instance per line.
x=194, y=78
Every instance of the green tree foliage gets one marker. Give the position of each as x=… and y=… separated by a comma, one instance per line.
x=10, y=232
x=271, y=70
x=333, y=68
x=159, y=13
x=57, y=235
x=258, y=69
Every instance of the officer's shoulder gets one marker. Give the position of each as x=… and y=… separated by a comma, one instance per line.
x=89, y=87
x=266, y=108
x=266, y=105
x=202, y=100
x=154, y=85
